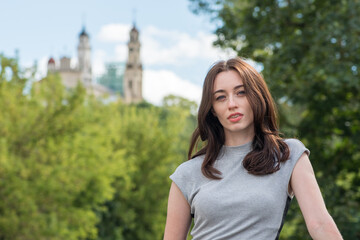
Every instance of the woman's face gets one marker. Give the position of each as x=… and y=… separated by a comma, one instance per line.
x=231, y=107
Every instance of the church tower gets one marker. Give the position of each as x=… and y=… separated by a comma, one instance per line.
x=133, y=70
x=84, y=57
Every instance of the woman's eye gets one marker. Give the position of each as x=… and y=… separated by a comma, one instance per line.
x=220, y=98
x=241, y=92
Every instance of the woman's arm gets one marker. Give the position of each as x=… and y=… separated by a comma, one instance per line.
x=303, y=183
x=178, y=219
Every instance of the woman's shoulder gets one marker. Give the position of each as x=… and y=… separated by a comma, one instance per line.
x=191, y=165
x=293, y=142
x=296, y=147
x=188, y=175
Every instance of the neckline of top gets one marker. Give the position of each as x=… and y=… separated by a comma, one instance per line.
x=245, y=148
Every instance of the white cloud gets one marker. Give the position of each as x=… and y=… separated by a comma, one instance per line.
x=42, y=67
x=74, y=62
x=162, y=47
x=98, y=63
x=158, y=84
x=115, y=32
x=121, y=52
x=165, y=47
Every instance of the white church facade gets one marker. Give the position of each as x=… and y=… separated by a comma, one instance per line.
x=82, y=73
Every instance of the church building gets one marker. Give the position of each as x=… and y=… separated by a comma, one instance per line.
x=72, y=75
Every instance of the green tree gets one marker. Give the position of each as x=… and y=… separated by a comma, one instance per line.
x=310, y=53
x=56, y=167
x=153, y=141
x=73, y=167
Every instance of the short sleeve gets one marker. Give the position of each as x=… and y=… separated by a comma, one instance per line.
x=297, y=148
x=188, y=178
x=180, y=178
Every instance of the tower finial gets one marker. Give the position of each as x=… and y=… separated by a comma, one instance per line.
x=134, y=17
x=84, y=20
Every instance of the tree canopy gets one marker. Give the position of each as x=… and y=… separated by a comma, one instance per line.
x=73, y=167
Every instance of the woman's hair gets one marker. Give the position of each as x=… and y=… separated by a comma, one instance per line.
x=268, y=148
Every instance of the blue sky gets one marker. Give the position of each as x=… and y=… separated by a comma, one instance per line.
x=176, y=44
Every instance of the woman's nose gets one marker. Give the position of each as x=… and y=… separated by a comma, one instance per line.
x=232, y=102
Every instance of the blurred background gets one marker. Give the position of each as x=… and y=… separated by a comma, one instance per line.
x=98, y=101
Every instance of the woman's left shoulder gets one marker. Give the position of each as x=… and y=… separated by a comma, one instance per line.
x=293, y=142
x=296, y=147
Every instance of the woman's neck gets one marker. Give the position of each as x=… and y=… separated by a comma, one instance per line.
x=238, y=140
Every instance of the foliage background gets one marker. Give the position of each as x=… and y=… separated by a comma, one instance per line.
x=74, y=167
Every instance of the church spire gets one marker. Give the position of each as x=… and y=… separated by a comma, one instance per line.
x=134, y=17
x=84, y=56
x=133, y=71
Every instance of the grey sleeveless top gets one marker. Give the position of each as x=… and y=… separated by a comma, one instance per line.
x=240, y=205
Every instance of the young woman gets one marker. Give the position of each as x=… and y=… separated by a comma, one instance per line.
x=240, y=184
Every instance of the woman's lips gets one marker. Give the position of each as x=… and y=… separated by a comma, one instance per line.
x=235, y=117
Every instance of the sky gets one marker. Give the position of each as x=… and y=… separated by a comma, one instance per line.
x=176, y=45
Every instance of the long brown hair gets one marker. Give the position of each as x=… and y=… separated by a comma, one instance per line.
x=268, y=148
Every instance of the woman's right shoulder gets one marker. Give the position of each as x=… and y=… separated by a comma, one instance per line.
x=193, y=164
x=188, y=177
x=190, y=168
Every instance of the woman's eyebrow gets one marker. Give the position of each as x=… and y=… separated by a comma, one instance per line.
x=238, y=86
x=218, y=91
